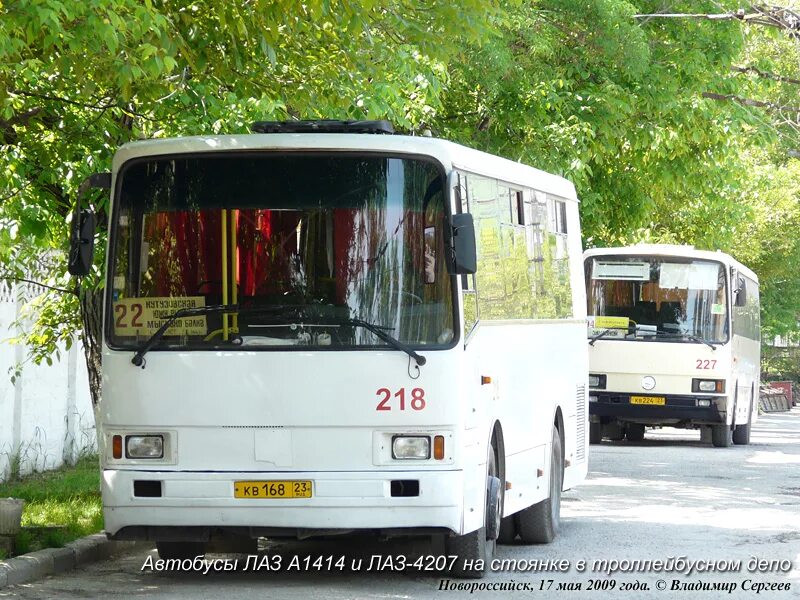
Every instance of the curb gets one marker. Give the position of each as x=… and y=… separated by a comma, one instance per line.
x=36, y=565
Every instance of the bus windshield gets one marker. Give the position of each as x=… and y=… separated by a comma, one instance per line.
x=656, y=298
x=302, y=243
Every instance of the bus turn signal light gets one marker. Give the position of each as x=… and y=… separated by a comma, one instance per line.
x=715, y=386
x=116, y=446
x=485, y=380
x=438, y=447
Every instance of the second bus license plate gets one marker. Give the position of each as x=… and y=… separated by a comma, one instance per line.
x=272, y=489
x=656, y=400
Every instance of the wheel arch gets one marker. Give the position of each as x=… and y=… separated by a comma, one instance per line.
x=498, y=443
x=558, y=421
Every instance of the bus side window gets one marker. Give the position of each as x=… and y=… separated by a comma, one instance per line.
x=469, y=293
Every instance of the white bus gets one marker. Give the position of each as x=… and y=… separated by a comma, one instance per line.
x=674, y=341
x=300, y=340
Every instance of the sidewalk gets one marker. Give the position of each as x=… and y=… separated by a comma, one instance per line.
x=39, y=564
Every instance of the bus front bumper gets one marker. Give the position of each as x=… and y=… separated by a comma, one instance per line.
x=610, y=406
x=196, y=503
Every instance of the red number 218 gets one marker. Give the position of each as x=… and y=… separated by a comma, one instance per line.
x=417, y=399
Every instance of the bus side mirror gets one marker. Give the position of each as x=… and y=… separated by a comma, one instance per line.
x=465, y=256
x=81, y=239
x=740, y=298
x=81, y=244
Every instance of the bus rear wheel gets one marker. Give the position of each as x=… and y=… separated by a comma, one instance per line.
x=508, y=530
x=180, y=550
x=538, y=524
x=614, y=431
x=634, y=432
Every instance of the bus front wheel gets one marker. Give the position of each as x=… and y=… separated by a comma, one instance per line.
x=741, y=433
x=538, y=524
x=721, y=435
x=595, y=433
x=482, y=543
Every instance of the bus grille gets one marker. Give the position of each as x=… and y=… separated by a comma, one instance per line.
x=580, y=418
x=252, y=426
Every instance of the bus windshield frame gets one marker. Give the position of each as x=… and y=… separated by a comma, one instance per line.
x=635, y=298
x=334, y=235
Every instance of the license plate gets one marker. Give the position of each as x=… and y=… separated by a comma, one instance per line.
x=268, y=490
x=656, y=400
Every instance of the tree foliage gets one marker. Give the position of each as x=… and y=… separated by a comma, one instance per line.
x=77, y=80
x=649, y=117
x=664, y=134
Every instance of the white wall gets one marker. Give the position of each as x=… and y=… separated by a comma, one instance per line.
x=46, y=416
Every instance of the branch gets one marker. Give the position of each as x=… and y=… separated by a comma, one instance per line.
x=8, y=134
x=712, y=17
x=751, y=102
x=777, y=16
x=39, y=283
x=771, y=16
x=766, y=74
x=96, y=106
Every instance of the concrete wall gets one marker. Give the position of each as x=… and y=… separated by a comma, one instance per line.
x=46, y=416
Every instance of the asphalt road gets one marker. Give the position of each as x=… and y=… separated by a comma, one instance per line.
x=668, y=497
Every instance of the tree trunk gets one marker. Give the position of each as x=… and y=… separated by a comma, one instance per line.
x=92, y=316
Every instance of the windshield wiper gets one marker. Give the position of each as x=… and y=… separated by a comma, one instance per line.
x=686, y=334
x=647, y=333
x=138, y=358
x=378, y=331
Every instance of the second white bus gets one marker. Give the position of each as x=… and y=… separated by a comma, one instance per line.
x=673, y=341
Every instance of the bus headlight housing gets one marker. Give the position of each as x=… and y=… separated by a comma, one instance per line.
x=597, y=381
x=144, y=446
x=414, y=447
x=715, y=386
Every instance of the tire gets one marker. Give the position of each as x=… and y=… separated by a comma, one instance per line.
x=539, y=524
x=721, y=436
x=180, y=550
x=614, y=431
x=595, y=433
x=741, y=433
x=508, y=530
x=493, y=512
x=634, y=432
x=469, y=548
x=475, y=545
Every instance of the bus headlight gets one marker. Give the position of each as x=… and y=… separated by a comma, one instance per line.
x=597, y=381
x=144, y=446
x=416, y=447
x=716, y=386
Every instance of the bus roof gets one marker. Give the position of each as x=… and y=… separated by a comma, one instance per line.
x=672, y=250
x=449, y=154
